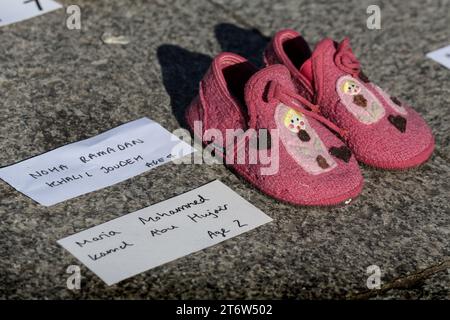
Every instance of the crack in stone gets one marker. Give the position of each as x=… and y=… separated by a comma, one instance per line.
x=403, y=283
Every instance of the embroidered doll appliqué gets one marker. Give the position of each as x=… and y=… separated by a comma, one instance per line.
x=302, y=142
x=358, y=100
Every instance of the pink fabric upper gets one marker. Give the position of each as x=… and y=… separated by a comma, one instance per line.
x=308, y=174
x=381, y=130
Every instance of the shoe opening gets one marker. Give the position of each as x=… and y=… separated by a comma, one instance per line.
x=297, y=51
x=236, y=76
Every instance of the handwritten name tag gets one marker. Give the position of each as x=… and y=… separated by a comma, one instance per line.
x=95, y=163
x=165, y=231
x=441, y=56
x=17, y=10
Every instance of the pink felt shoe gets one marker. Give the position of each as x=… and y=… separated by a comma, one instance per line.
x=300, y=161
x=381, y=130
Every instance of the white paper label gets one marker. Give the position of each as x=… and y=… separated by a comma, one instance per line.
x=441, y=56
x=95, y=163
x=17, y=10
x=163, y=232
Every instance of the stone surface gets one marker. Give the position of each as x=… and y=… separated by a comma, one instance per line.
x=59, y=86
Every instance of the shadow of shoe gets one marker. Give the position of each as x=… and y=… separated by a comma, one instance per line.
x=249, y=43
x=182, y=71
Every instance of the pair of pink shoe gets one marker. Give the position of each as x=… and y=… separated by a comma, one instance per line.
x=307, y=99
